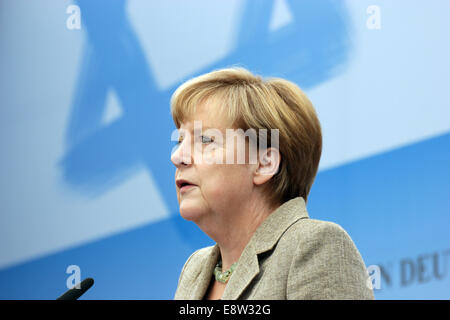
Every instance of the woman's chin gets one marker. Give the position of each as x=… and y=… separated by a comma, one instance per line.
x=189, y=215
x=190, y=211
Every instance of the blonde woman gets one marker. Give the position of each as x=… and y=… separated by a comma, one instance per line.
x=252, y=201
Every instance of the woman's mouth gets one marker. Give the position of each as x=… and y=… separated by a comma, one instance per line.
x=186, y=188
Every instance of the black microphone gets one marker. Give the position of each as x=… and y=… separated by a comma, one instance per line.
x=74, y=293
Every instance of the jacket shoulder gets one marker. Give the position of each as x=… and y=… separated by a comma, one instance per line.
x=312, y=229
x=325, y=264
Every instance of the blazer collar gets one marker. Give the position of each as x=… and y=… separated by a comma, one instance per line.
x=264, y=239
x=273, y=227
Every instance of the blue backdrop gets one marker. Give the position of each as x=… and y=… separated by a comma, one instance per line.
x=85, y=139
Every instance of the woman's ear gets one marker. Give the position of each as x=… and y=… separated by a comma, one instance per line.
x=268, y=165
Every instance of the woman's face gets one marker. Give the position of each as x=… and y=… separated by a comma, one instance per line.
x=220, y=187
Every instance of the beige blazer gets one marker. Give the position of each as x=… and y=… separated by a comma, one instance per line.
x=290, y=256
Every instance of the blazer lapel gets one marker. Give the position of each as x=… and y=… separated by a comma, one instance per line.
x=264, y=239
x=246, y=270
x=202, y=281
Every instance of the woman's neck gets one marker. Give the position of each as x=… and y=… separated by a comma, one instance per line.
x=233, y=235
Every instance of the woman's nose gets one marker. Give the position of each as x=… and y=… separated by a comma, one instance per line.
x=182, y=156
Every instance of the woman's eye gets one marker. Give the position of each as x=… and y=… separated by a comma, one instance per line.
x=206, y=139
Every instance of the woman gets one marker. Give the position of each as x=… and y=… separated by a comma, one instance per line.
x=266, y=247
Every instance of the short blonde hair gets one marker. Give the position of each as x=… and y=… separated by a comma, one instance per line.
x=248, y=101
